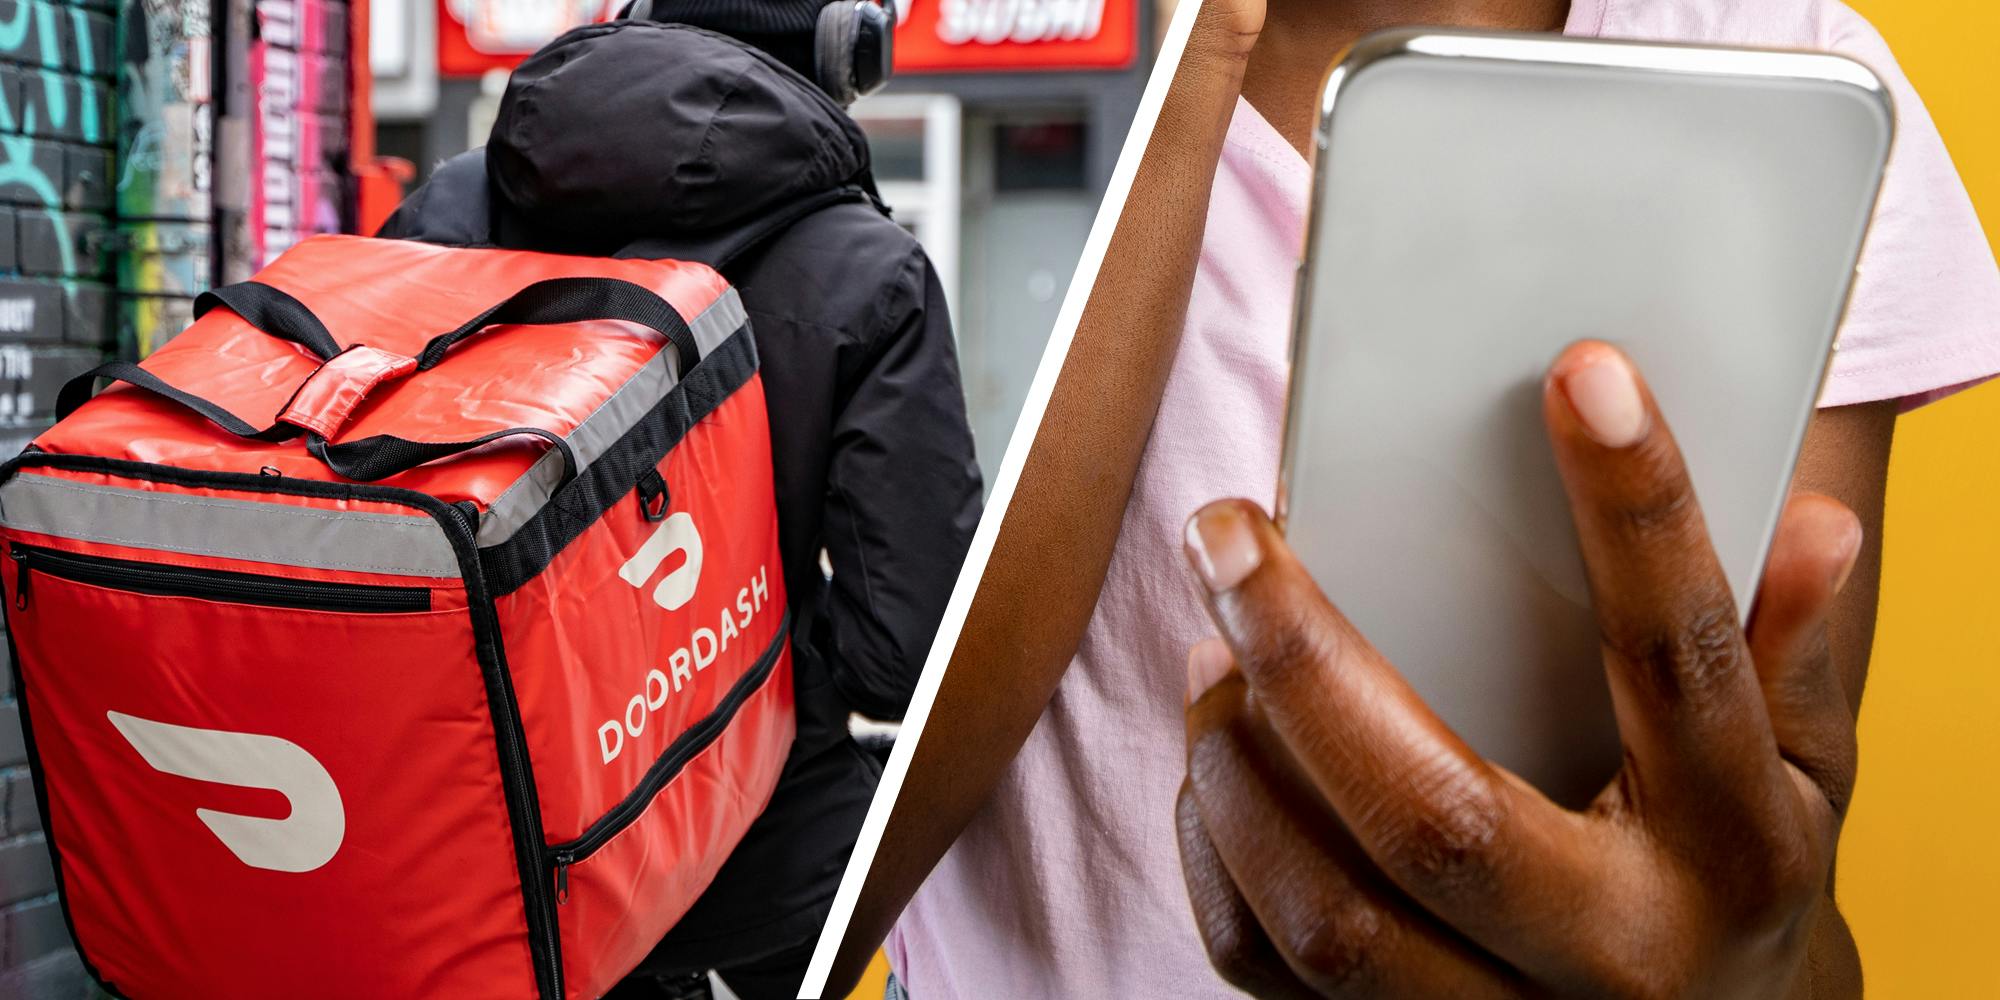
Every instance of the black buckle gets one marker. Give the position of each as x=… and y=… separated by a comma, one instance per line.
x=653, y=496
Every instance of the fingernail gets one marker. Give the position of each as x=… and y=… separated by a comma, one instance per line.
x=1208, y=662
x=1852, y=544
x=1222, y=546
x=1604, y=392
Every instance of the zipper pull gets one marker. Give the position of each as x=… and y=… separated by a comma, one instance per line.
x=469, y=513
x=653, y=497
x=563, y=860
x=23, y=575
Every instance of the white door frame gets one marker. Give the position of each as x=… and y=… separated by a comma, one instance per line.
x=930, y=206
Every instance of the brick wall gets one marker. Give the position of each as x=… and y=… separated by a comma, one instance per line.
x=58, y=129
x=58, y=126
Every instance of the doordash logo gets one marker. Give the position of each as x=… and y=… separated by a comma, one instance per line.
x=675, y=534
x=302, y=841
x=703, y=645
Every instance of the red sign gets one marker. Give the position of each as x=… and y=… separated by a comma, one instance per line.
x=475, y=36
x=947, y=36
x=935, y=36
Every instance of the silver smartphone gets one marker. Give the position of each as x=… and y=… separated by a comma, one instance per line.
x=1482, y=200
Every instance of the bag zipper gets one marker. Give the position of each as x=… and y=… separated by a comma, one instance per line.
x=684, y=748
x=210, y=584
x=653, y=496
x=523, y=802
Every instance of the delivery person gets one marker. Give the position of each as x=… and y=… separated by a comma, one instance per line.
x=715, y=130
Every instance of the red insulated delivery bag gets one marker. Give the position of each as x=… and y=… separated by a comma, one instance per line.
x=410, y=626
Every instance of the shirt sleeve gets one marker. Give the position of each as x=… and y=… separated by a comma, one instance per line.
x=1924, y=318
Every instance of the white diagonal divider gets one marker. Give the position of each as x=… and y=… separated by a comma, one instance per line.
x=1025, y=429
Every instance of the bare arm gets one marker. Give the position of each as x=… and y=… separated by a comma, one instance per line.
x=1030, y=612
x=1847, y=457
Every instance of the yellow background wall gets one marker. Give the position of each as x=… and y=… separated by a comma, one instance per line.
x=875, y=981
x=1920, y=861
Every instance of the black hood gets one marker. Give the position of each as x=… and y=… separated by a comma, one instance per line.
x=636, y=128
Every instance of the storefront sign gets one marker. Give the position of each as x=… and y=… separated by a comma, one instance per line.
x=944, y=36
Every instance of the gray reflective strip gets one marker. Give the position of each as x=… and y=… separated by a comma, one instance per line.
x=602, y=429
x=281, y=534
x=723, y=317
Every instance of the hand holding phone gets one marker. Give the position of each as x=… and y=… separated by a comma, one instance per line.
x=1340, y=839
x=1480, y=201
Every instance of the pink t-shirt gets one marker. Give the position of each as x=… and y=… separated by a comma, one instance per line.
x=1069, y=883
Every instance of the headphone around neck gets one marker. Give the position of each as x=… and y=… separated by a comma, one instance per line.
x=854, y=45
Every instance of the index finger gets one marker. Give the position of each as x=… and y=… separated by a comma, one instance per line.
x=1690, y=710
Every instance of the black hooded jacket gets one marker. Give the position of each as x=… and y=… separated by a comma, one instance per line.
x=656, y=140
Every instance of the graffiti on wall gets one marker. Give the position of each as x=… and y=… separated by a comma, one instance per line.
x=166, y=167
x=148, y=150
x=57, y=124
x=298, y=82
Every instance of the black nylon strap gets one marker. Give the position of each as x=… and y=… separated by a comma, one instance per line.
x=550, y=302
x=77, y=391
x=272, y=311
x=384, y=455
x=262, y=306
x=575, y=300
x=365, y=461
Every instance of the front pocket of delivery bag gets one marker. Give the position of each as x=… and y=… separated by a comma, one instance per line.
x=264, y=782
x=667, y=837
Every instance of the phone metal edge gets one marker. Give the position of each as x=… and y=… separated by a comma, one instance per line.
x=1382, y=46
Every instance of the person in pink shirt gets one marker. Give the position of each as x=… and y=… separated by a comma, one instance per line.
x=1086, y=818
